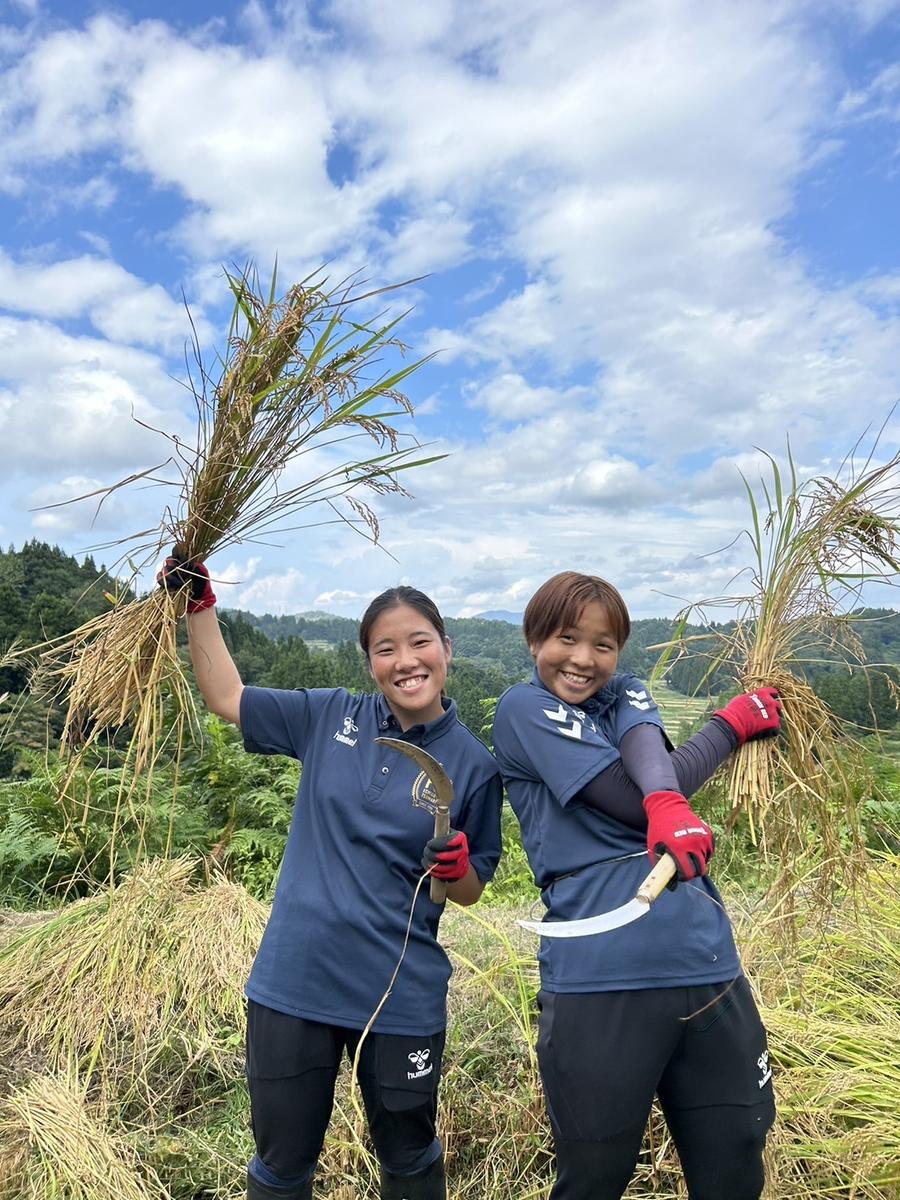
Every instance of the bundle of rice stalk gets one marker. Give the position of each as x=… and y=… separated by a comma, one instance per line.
x=815, y=544
x=53, y=1146
x=149, y=971
x=292, y=383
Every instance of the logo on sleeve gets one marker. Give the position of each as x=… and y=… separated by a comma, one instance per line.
x=561, y=717
x=639, y=699
x=344, y=735
x=419, y=1059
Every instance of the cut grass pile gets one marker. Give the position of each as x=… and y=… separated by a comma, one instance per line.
x=135, y=983
x=149, y=1052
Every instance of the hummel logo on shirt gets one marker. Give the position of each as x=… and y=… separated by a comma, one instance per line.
x=639, y=700
x=344, y=736
x=561, y=716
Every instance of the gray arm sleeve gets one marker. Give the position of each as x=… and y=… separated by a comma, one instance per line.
x=646, y=766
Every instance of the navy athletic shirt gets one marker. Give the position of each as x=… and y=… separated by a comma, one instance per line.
x=353, y=857
x=586, y=862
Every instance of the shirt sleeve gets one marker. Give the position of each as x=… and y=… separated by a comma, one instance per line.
x=635, y=706
x=279, y=721
x=648, y=761
x=480, y=821
x=537, y=736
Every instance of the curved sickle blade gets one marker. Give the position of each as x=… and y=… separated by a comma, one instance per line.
x=614, y=919
x=617, y=917
x=443, y=788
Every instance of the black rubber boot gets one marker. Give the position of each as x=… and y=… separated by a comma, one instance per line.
x=257, y=1190
x=426, y=1185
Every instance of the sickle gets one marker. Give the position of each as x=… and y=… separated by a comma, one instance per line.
x=440, y=781
x=623, y=915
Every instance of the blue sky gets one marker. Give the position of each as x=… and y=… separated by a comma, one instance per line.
x=658, y=235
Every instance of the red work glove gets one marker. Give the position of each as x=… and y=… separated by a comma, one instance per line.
x=447, y=857
x=176, y=574
x=673, y=827
x=753, y=714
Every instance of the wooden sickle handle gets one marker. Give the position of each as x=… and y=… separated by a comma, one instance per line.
x=441, y=829
x=653, y=885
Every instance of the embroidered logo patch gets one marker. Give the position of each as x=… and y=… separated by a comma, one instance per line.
x=423, y=793
x=765, y=1070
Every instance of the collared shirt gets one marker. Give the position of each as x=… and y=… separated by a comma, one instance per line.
x=353, y=857
x=586, y=862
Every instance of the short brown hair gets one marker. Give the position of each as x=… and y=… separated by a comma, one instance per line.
x=559, y=603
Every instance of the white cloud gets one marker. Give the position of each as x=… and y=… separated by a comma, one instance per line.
x=56, y=508
x=97, y=242
x=342, y=598
x=276, y=593
x=119, y=305
x=72, y=401
x=508, y=397
x=617, y=207
x=436, y=239
x=617, y=484
x=235, y=573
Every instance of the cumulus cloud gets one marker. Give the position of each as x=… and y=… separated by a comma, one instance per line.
x=275, y=593
x=609, y=223
x=70, y=401
x=119, y=305
x=509, y=397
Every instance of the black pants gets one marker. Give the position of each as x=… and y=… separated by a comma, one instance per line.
x=702, y=1050
x=292, y=1065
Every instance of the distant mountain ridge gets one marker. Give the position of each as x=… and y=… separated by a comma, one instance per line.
x=500, y=614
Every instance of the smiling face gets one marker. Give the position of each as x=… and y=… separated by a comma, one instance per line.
x=577, y=661
x=408, y=659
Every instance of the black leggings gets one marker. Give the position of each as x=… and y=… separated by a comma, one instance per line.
x=292, y=1066
x=604, y=1055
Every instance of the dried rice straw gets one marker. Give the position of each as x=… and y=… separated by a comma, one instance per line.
x=815, y=544
x=293, y=382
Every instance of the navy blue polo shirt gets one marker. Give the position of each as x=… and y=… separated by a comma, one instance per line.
x=586, y=862
x=353, y=857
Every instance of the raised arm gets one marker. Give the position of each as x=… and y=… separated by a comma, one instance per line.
x=217, y=677
x=645, y=765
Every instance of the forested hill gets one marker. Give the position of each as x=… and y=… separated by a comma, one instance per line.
x=472, y=637
x=476, y=638
x=45, y=593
